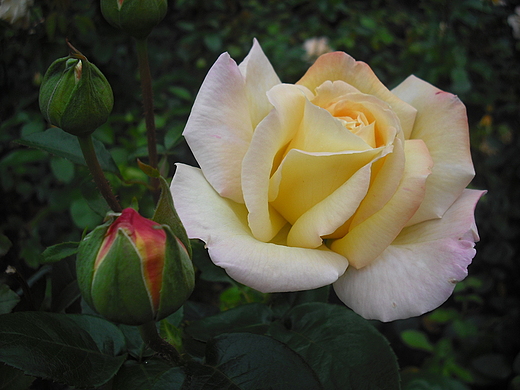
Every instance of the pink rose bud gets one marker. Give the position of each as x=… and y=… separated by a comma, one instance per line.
x=137, y=18
x=134, y=270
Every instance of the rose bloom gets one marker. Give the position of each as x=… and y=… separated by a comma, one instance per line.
x=334, y=179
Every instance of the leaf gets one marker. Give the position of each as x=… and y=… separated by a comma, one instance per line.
x=165, y=214
x=249, y=362
x=8, y=299
x=151, y=374
x=251, y=318
x=13, y=379
x=429, y=381
x=62, y=144
x=59, y=251
x=209, y=271
x=148, y=169
x=78, y=350
x=282, y=302
x=416, y=339
x=344, y=349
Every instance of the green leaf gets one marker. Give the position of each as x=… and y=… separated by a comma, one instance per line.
x=62, y=169
x=151, y=374
x=148, y=169
x=252, y=318
x=249, y=362
x=59, y=251
x=62, y=144
x=282, y=302
x=13, y=379
x=5, y=244
x=429, y=381
x=344, y=349
x=93, y=197
x=82, y=215
x=8, y=299
x=165, y=214
x=417, y=340
x=208, y=270
x=78, y=350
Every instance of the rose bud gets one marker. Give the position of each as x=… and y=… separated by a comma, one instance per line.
x=75, y=95
x=134, y=270
x=137, y=18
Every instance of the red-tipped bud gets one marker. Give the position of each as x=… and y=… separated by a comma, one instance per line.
x=134, y=270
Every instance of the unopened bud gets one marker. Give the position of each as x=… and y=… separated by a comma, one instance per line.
x=134, y=270
x=75, y=96
x=137, y=18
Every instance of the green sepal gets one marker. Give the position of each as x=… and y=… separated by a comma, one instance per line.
x=87, y=253
x=137, y=18
x=178, y=276
x=119, y=292
x=78, y=106
x=165, y=214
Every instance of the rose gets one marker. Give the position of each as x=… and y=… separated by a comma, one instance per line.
x=335, y=179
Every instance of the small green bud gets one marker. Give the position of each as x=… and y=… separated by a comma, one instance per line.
x=134, y=270
x=75, y=96
x=137, y=18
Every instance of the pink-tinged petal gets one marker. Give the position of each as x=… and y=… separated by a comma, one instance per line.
x=269, y=140
x=260, y=77
x=458, y=221
x=331, y=213
x=443, y=125
x=366, y=241
x=222, y=225
x=219, y=128
x=341, y=66
x=406, y=281
x=418, y=272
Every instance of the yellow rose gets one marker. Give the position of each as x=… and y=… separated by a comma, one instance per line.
x=334, y=179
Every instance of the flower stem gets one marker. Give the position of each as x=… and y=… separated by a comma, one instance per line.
x=146, y=88
x=87, y=147
x=152, y=338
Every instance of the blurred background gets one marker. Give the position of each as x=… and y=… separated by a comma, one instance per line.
x=467, y=47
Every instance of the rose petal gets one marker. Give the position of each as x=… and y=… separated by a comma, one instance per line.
x=270, y=139
x=341, y=66
x=328, y=215
x=442, y=124
x=219, y=128
x=222, y=225
x=456, y=222
x=369, y=239
x=418, y=272
x=260, y=77
x=387, y=174
x=304, y=179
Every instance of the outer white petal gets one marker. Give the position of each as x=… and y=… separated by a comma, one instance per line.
x=222, y=225
x=219, y=128
x=442, y=124
x=260, y=77
x=419, y=271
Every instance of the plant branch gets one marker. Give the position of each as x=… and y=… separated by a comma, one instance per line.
x=152, y=338
x=87, y=147
x=147, y=92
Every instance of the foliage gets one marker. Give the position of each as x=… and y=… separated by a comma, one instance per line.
x=465, y=47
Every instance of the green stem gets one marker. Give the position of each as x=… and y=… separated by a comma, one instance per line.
x=152, y=338
x=146, y=88
x=87, y=147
